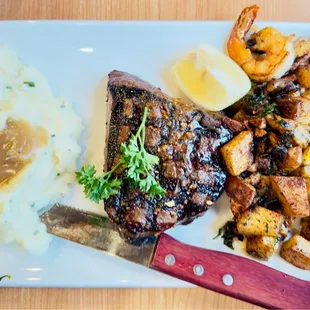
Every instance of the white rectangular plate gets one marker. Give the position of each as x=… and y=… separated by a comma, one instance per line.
x=76, y=57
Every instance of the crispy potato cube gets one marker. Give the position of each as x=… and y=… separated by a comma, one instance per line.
x=291, y=107
x=274, y=139
x=280, y=124
x=240, y=116
x=305, y=228
x=259, y=133
x=304, y=119
x=292, y=193
x=308, y=186
x=237, y=153
x=261, y=247
x=241, y=192
x=254, y=179
x=286, y=227
x=306, y=157
x=303, y=172
x=252, y=168
x=301, y=136
x=236, y=208
x=303, y=75
x=297, y=252
x=258, y=122
x=260, y=222
x=293, y=159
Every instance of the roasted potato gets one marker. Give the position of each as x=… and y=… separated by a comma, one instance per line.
x=240, y=116
x=301, y=136
x=291, y=107
x=252, y=168
x=258, y=122
x=303, y=172
x=303, y=75
x=260, y=222
x=308, y=186
x=236, y=208
x=297, y=252
x=239, y=191
x=292, y=193
x=254, y=179
x=286, y=227
x=261, y=247
x=237, y=153
x=292, y=160
x=259, y=133
x=305, y=228
x=306, y=157
x=304, y=119
x=280, y=124
x=273, y=139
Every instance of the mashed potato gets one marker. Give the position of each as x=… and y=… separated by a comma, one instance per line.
x=49, y=169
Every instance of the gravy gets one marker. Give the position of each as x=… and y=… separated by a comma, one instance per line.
x=18, y=141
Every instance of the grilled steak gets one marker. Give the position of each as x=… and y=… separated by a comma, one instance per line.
x=186, y=140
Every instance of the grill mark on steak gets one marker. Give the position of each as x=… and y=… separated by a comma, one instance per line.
x=186, y=140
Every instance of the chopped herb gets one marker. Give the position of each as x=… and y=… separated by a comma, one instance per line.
x=53, y=135
x=279, y=153
x=272, y=169
x=137, y=163
x=269, y=109
x=219, y=233
x=6, y=276
x=278, y=239
x=286, y=139
x=228, y=232
x=30, y=84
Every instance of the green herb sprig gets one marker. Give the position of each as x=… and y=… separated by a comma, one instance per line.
x=30, y=84
x=228, y=233
x=137, y=163
x=98, y=188
x=6, y=276
x=269, y=109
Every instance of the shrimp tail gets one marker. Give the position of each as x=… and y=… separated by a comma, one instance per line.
x=236, y=41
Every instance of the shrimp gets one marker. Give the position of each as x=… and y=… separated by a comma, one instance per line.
x=268, y=54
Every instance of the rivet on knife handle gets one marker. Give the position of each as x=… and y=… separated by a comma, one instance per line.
x=231, y=275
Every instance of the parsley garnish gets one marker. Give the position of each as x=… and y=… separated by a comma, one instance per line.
x=98, y=188
x=269, y=109
x=137, y=163
x=30, y=84
x=6, y=276
x=140, y=163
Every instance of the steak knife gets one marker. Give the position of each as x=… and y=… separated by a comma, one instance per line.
x=221, y=272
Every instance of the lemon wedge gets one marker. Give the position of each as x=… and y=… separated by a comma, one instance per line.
x=210, y=78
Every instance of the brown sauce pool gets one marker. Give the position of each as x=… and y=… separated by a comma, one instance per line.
x=18, y=142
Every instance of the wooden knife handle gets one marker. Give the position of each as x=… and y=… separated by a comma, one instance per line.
x=231, y=275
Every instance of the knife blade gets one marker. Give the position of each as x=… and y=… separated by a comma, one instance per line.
x=225, y=273
x=97, y=232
